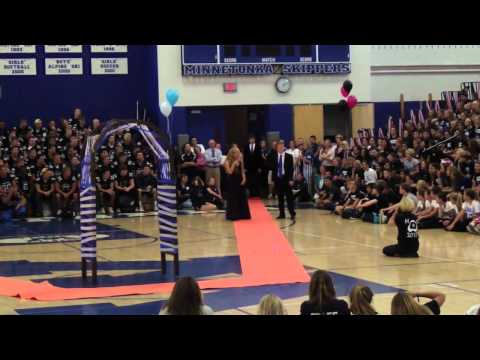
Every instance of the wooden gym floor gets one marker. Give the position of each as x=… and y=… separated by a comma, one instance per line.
x=129, y=254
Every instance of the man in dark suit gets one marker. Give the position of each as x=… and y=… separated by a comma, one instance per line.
x=253, y=161
x=283, y=178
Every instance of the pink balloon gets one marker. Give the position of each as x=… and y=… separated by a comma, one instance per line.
x=343, y=92
x=352, y=101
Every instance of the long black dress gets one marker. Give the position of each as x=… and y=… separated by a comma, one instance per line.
x=237, y=201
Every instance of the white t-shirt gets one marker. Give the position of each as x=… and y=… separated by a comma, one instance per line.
x=471, y=210
x=431, y=204
x=206, y=310
x=421, y=205
x=449, y=206
x=370, y=176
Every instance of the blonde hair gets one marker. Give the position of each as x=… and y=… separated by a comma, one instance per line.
x=422, y=185
x=406, y=205
x=405, y=304
x=231, y=155
x=455, y=199
x=360, y=301
x=271, y=305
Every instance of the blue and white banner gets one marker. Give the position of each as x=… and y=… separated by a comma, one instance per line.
x=109, y=66
x=63, y=49
x=64, y=66
x=109, y=48
x=17, y=49
x=18, y=67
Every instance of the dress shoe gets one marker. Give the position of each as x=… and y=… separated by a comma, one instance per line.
x=281, y=217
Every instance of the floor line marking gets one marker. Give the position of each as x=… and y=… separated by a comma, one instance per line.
x=379, y=247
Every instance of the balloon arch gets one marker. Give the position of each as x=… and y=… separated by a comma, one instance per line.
x=166, y=196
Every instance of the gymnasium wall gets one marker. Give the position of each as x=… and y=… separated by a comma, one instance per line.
x=417, y=70
x=103, y=96
x=259, y=90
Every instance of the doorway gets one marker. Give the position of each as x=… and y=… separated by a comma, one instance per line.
x=242, y=121
x=337, y=121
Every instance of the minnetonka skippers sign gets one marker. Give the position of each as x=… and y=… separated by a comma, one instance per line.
x=18, y=67
x=64, y=66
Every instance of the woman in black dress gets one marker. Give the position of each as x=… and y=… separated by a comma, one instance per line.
x=237, y=201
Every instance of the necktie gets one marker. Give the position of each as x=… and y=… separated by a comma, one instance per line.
x=213, y=153
x=251, y=147
x=280, y=166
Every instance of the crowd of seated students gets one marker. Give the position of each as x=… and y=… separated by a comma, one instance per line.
x=187, y=299
x=40, y=169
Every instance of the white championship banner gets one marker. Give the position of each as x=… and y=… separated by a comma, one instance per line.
x=17, y=49
x=18, y=67
x=109, y=66
x=109, y=48
x=64, y=66
x=63, y=49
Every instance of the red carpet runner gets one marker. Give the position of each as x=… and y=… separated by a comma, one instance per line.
x=265, y=256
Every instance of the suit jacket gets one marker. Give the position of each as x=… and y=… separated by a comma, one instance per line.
x=253, y=161
x=288, y=168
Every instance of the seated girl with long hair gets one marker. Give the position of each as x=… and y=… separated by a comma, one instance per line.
x=407, y=238
x=198, y=195
x=428, y=218
x=213, y=195
x=404, y=303
x=186, y=299
x=322, y=298
x=361, y=301
x=271, y=305
x=470, y=210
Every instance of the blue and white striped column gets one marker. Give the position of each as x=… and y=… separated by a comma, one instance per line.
x=88, y=223
x=88, y=207
x=167, y=208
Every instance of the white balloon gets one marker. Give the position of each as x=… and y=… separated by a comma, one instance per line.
x=166, y=108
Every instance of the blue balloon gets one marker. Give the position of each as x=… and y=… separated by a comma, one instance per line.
x=172, y=96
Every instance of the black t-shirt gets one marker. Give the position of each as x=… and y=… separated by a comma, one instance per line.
x=354, y=196
x=335, y=192
x=6, y=184
x=101, y=168
x=372, y=208
x=66, y=185
x=184, y=193
x=433, y=306
x=187, y=157
x=40, y=133
x=57, y=169
x=124, y=181
x=335, y=307
x=143, y=181
x=476, y=178
x=45, y=185
x=386, y=199
x=105, y=184
x=139, y=165
x=21, y=177
x=407, y=232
